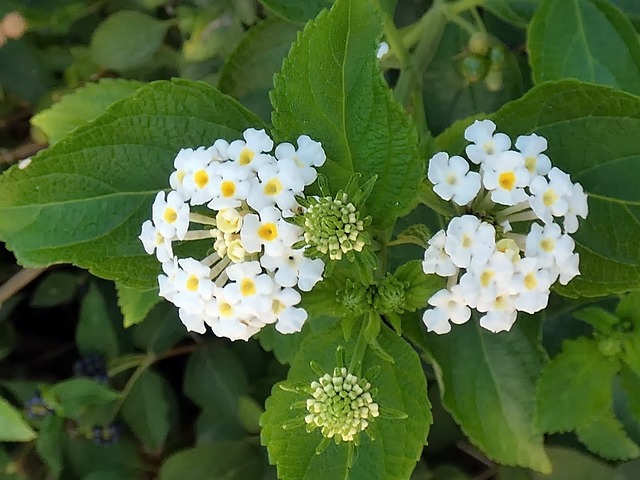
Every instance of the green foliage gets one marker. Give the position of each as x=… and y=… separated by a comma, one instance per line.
x=50, y=444
x=75, y=397
x=136, y=304
x=397, y=443
x=56, y=288
x=77, y=108
x=294, y=11
x=126, y=40
x=111, y=187
x=330, y=88
x=601, y=44
x=96, y=332
x=517, y=12
x=14, y=426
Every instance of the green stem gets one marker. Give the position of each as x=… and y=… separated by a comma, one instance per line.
x=461, y=22
x=392, y=35
x=460, y=6
x=360, y=348
x=478, y=20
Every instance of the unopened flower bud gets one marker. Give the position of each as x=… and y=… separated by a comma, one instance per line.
x=13, y=25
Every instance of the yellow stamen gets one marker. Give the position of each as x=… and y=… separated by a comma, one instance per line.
x=170, y=215
x=192, y=283
x=247, y=287
x=228, y=188
x=507, y=180
x=277, y=306
x=201, y=177
x=272, y=187
x=268, y=231
x=530, y=164
x=246, y=156
x=226, y=310
x=467, y=241
x=530, y=281
x=548, y=244
x=451, y=179
x=549, y=197
x=486, y=277
x=180, y=176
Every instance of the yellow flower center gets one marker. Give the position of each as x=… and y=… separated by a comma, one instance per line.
x=228, y=188
x=277, y=306
x=467, y=241
x=489, y=147
x=451, y=179
x=201, y=177
x=247, y=287
x=272, y=187
x=268, y=231
x=501, y=302
x=486, y=277
x=548, y=244
x=226, y=310
x=507, y=180
x=530, y=164
x=246, y=155
x=530, y=281
x=170, y=215
x=180, y=176
x=192, y=283
x=549, y=197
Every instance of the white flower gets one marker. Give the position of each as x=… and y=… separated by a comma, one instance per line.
x=436, y=260
x=449, y=306
x=505, y=176
x=578, y=207
x=308, y=155
x=277, y=185
x=193, y=286
x=229, y=220
x=289, y=318
x=194, y=322
x=550, y=199
x=568, y=268
x=548, y=244
x=249, y=155
x=469, y=240
x=269, y=230
x=251, y=289
x=152, y=240
x=452, y=179
x=531, y=285
x=482, y=282
x=383, y=49
x=229, y=187
x=485, y=143
x=531, y=147
x=171, y=216
x=499, y=320
x=199, y=179
x=166, y=282
x=292, y=268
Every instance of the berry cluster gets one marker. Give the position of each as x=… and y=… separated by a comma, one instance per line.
x=490, y=264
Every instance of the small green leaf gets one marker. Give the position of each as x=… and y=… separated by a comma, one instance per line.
x=247, y=74
x=160, y=331
x=249, y=412
x=136, y=304
x=126, y=40
x=398, y=443
x=600, y=44
x=629, y=308
x=214, y=378
x=599, y=318
x=420, y=285
x=604, y=434
x=96, y=331
x=228, y=460
x=81, y=106
x=296, y=11
x=488, y=384
x=14, y=427
x=331, y=88
x=50, y=444
x=146, y=409
x=418, y=234
x=78, y=395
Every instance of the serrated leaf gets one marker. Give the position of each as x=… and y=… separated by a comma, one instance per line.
x=81, y=106
x=146, y=409
x=418, y=234
x=78, y=395
x=96, y=331
x=126, y=39
x=605, y=435
x=14, y=426
x=488, y=384
x=331, y=88
x=575, y=387
x=214, y=378
x=135, y=304
x=587, y=129
x=599, y=44
x=295, y=10
x=50, y=444
x=247, y=74
x=398, y=443
x=111, y=170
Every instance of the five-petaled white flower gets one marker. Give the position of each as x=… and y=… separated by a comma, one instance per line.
x=452, y=179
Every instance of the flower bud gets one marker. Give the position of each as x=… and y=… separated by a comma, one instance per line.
x=479, y=43
x=13, y=25
x=473, y=67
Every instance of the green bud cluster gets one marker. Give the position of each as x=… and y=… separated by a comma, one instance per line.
x=391, y=295
x=333, y=226
x=483, y=60
x=341, y=405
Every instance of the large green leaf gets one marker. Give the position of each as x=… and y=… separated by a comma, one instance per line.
x=14, y=427
x=247, y=74
x=82, y=105
x=331, y=89
x=96, y=330
x=397, y=444
x=590, y=40
x=588, y=128
x=83, y=200
x=488, y=384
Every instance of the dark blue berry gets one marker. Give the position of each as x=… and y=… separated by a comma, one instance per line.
x=106, y=435
x=36, y=408
x=91, y=366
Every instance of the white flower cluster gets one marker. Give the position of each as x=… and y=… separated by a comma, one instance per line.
x=238, y=196
x=492, y=266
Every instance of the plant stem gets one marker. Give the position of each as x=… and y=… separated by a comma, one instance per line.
x=16, y=283
x=461, y=6
x=360, y=348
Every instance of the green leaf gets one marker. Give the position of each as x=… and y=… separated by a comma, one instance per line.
x=14, y=427
x=81, y=106
x=575, y=393
x=55, y=289
x=398, y=443
x=214, y=378
x=224, y=460
x=417, y=234
x=247, y=74
x=126, y=40
x=111, y=170
x=420, y=286
x=599, y=44
x=587, y=128
x=146, y=409
x=86, y=458
x=630, y=382
x=517, y=12
x=213, y=426
x=50, y=444
x=136, y=304
x=331, y=88
x=249, y=412
x=488, y=384
x=78, y=395
x=28, y=77
x=160, y=331
x=96, y=332
x=296, y=11
x=602, y=320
